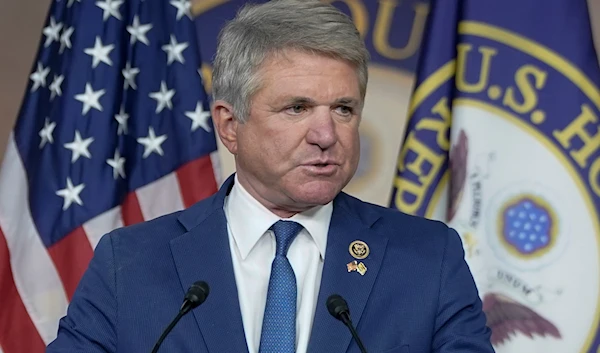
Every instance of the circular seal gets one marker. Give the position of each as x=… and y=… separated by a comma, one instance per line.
x=529, y=217
x=359, y=249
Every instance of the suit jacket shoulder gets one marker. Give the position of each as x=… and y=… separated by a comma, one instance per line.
x=426, y=236
x=149, y=238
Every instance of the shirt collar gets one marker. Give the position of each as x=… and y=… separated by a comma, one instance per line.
x=248, y=220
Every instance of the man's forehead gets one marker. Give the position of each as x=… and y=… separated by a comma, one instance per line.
x=299, y=76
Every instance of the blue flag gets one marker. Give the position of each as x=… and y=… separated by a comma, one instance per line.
x=503, y=143
x=114, y=129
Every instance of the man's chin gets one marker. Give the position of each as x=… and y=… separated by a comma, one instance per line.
x=317, y=193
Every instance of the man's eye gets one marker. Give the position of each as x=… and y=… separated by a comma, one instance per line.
x=296, y=109
x=344, y=110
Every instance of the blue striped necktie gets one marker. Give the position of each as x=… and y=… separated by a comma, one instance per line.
x=279, y=324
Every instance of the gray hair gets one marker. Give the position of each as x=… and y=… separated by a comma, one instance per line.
x=262, y=30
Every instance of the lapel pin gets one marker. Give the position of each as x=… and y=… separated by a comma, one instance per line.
x=352, y=266
x=359, y=249
x=361, y=268
x=355, y=266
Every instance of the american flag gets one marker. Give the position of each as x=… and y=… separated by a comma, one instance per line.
x=114, y=129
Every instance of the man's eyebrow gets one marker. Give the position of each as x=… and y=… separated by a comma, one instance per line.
x=299, y=100
x=347, y=101
x=310, y=101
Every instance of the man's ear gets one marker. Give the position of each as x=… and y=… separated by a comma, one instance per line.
x=226, y=124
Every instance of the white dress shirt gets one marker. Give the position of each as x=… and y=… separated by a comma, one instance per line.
x=253, y=250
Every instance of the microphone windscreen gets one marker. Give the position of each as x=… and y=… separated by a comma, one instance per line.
x=197, y=293
x=337, y=305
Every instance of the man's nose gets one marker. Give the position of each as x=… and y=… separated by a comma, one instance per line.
x=322, y=129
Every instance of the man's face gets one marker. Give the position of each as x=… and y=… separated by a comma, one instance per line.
x=300, y=144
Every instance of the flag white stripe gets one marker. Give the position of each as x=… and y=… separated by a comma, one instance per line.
x=96, y=227
x=217, y=168
x=160, y=197
x=35, y=276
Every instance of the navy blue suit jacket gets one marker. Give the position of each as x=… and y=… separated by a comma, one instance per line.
x=417, y=295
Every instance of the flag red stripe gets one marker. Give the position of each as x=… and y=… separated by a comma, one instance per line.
x=196, y=180
x=71, y=256
x=131, y=211
x=17, y=332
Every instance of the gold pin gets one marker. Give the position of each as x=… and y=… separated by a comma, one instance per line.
x=361, y=268
x=359, y=249
x=352, y=266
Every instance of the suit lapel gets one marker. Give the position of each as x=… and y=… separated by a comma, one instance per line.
x=347, y=225
x=203, y=253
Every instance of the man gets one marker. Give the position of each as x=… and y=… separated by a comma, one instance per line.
x=280, y=237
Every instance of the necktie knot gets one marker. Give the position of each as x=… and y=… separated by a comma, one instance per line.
x=285, y=232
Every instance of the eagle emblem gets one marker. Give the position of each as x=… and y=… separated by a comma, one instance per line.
x=359, y=249
x=506, y=317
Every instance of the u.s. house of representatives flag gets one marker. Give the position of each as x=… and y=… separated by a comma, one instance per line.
x=114, y=129
x=504, y=144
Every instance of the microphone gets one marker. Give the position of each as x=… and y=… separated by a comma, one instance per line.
x=195, y=296
x=338, y=308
